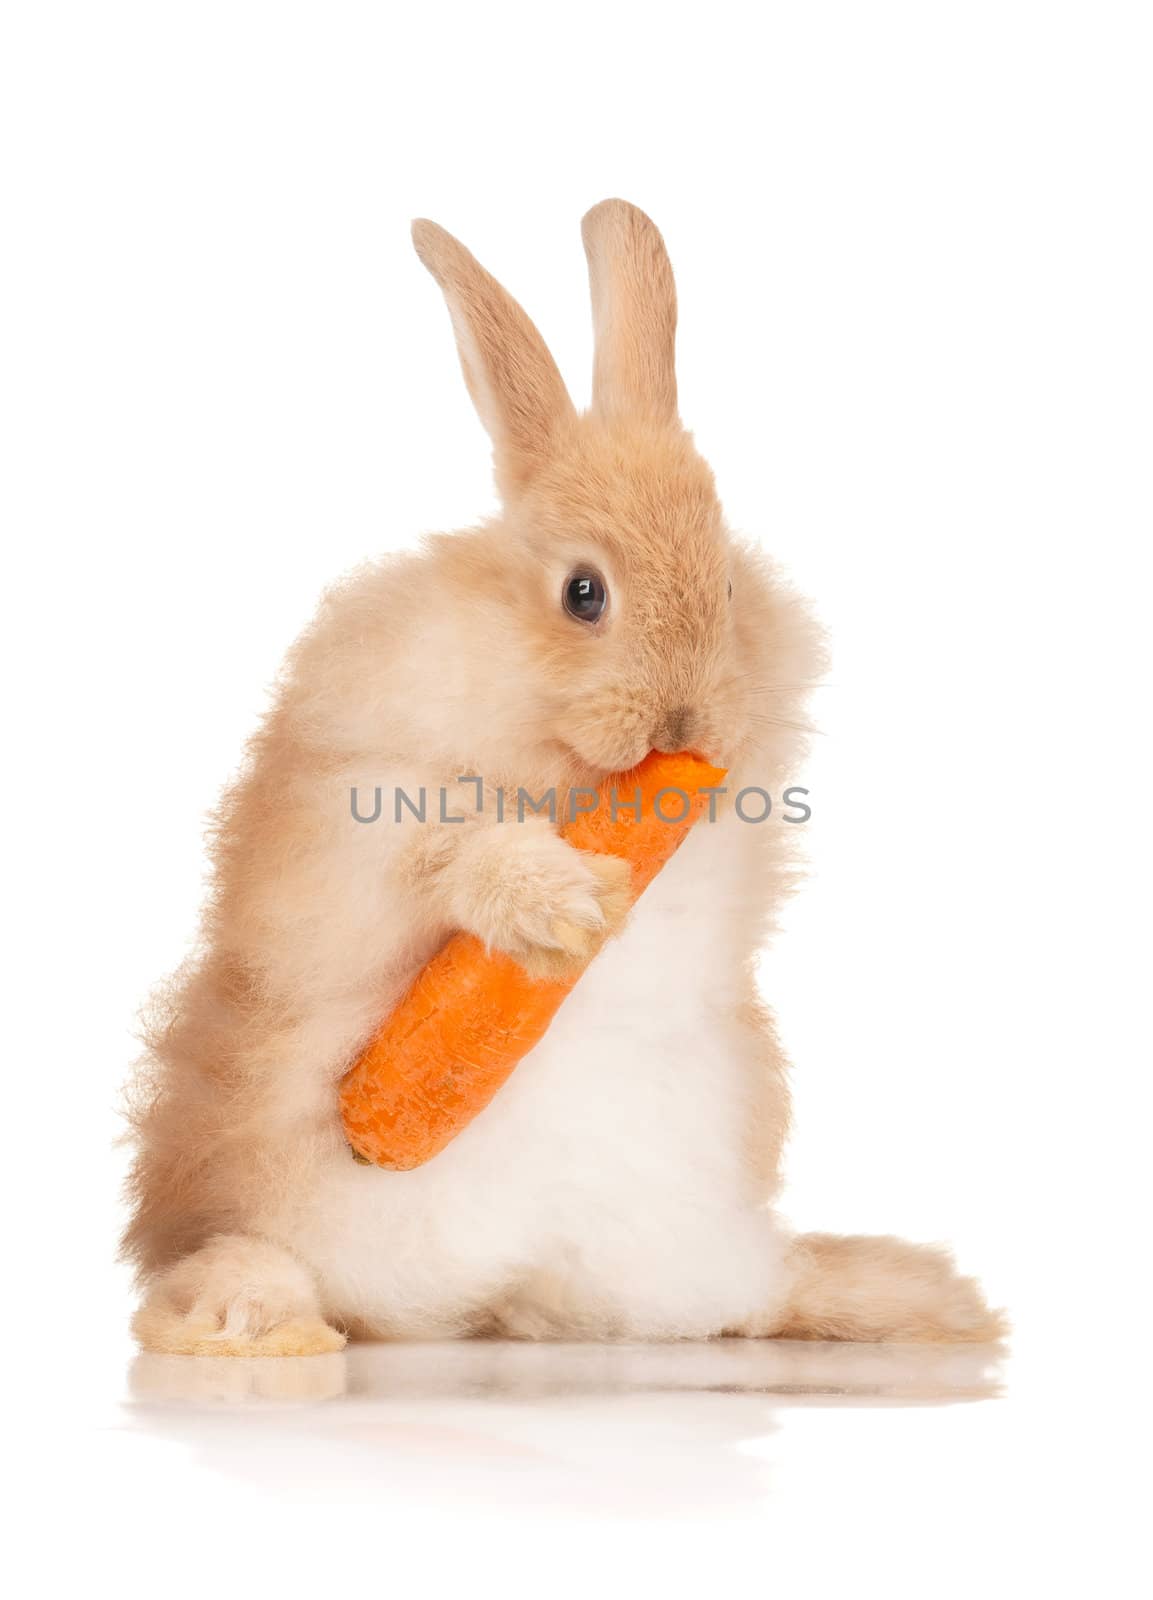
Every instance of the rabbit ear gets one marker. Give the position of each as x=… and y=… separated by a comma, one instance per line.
x=513, y=380
x=634, y=313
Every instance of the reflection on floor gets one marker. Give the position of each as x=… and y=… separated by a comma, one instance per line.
x=634, y=1428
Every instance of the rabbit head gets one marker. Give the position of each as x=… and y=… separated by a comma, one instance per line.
x=648, y=626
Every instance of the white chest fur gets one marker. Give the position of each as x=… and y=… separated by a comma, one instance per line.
x=607, y=1176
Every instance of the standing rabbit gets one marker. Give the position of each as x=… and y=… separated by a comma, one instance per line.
x=620, y=1184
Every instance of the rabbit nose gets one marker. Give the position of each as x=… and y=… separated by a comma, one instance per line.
x=674, y=732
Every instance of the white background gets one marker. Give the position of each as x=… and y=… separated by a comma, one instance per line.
x=914, y=257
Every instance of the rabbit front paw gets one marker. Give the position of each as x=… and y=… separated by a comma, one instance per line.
x=528, y=893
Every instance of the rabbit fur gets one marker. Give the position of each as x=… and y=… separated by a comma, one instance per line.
x=621, y=1184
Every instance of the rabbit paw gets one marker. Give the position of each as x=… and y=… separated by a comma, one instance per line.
x=235, y=1296
x=524, y=891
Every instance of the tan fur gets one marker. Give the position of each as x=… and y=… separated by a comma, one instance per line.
x=460, y=660
x=235, y=1297
x=634, y=314
x=513, y=380
x=871, y=1288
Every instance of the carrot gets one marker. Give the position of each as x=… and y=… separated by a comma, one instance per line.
x=472, y=1013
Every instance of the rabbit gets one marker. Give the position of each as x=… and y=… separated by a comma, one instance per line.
x=621, y=1184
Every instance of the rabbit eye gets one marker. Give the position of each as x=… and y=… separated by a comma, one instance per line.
x=585, y=596
x=730, y=588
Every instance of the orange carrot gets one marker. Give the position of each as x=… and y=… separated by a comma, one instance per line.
x=472, y=1014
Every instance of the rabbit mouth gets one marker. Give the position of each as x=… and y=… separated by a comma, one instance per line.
x=596, y=767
